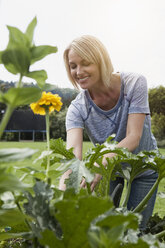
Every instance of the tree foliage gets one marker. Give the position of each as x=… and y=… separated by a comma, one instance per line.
x=157, y=107
x=157, y=100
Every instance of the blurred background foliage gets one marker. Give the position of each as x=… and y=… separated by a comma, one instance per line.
x=57, y=120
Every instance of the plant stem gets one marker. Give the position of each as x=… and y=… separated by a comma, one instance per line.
x=9, y=110
x=127, y=194
x=139, y=208
x=109, y=178
x=19, y=84
x=161, y=234
x=6, y=118
x=48, y=142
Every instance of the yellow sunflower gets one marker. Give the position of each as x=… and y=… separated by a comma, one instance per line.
x=47, y=101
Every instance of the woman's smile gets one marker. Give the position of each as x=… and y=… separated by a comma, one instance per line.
x=85, y=73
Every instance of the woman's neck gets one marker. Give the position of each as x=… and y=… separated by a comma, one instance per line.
x=107, y=97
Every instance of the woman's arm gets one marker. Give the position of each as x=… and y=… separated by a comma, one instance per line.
x=134, y=131
x=75, y=140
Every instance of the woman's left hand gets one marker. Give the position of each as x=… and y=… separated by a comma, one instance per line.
x=97, y=177
x=95, y=181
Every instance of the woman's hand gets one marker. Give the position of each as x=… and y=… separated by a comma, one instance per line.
x=97, y=177
x=95, y=181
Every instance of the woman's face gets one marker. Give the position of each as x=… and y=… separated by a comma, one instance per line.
x=86, y=74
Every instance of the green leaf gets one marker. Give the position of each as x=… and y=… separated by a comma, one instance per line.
x=9, y=182
x=39, y=76
x=75, y=215
x=30, y=29
x=39, y=52
x=92, y=155
x=17, y=38
x=58, y=147
x=157, y=163
x=1, y=52
x=78, y=172
x=15, y=154
x=106, y=238
x=50, y=240
x=16, y=57
x=140, y=244
x=10, y=217
x=43, y=155
x=112, y=219
x=1, y=96
x=21, y=96
x=16, y=60
x=5, y=236
x=111, y=230
x=55, y=174
x=38, y=208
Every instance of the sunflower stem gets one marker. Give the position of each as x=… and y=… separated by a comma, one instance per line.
x=48, y=142
x=6, y=118
x=19, y=83
x=9, y=111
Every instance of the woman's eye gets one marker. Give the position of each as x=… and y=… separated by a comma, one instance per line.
x=72, y=66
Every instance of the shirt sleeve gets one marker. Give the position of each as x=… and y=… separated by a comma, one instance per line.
x=73, y=118
x=139, y=100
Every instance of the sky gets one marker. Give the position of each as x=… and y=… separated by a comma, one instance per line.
x=133, y=32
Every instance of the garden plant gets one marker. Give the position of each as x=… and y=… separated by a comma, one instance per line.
x=37, y=214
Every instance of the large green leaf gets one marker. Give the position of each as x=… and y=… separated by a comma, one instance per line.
x=50, y=240
x=17, y=38
x=38, y=207
x=15, y=154
x=10, y=217
x=39, y=52
x=21, y=96
x=39, y=76
x=21, y=53
x=111, y=230
x=30, y=29
x=9, y=182
x=75, y=214
x=17, y=59
x=100, y=238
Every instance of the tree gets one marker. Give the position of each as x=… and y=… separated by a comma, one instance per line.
x=157, y=107
x=157, y=100
x=158, y=125
x=57, y=124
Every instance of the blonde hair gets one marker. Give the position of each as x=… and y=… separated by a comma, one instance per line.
x=92, y=50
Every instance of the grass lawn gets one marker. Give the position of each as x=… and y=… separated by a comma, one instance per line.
x=40, y=146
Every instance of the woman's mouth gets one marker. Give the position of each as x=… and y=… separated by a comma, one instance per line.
x=81, y=80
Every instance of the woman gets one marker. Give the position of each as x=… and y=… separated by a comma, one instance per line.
x=108, y=103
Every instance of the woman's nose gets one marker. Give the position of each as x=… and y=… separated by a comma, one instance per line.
x=79, y=70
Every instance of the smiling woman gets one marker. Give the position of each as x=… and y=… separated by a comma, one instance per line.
x=109, y=103
x=94, y=54
x=84, y=73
